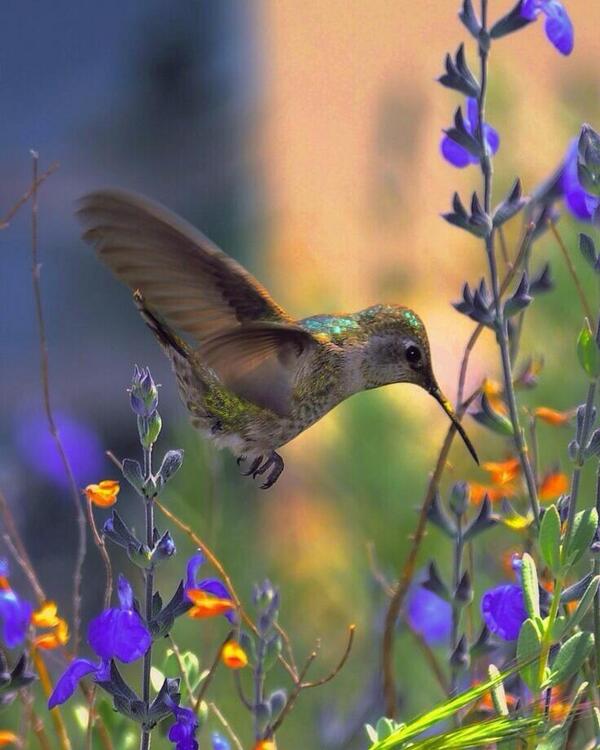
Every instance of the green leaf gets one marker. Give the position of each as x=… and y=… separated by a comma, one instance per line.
x=554, y=740
x=584, y=603
x=485, y=733
x=587, y=351
x=570, y=658
x=550, y=539
x=584, y=528
x=498, y=694
x=384, y=728
x=528, y=648
x=529, y=582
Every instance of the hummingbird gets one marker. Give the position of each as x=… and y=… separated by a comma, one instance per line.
x=251, y=376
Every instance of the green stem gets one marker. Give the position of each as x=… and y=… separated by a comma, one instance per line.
x=456, y=606
x=597, y=596
x=149, y=593
x=501, y=325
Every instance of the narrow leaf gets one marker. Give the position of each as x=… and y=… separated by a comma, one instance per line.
x=550, y=539
x=529, y=582
x=528, y=648
x=570, y=658
x=587, y=351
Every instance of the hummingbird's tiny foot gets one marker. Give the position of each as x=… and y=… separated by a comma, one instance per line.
x=275, y=463
x=253, y=467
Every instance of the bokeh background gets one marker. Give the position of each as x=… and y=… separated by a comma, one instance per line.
x=303, y=138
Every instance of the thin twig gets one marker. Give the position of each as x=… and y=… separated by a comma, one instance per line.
x=37, y=293
x=377, y=574
x=55, y=713
x=5, y=222
x=240, y=689
x=211, y=672
x=15, y=544
x=565, y=253
x=99, y=541
x=339, y=666
x=293, y=696
x=181, y=665
x=232, y=735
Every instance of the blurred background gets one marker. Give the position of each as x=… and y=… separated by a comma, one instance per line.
x=303, y=138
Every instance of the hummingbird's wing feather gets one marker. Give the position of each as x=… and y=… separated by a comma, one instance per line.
x=260, y=361
x=195, y=286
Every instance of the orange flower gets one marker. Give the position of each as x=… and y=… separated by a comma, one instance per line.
x=103, y=494
x=47, y=617
x=493, y=391
x=8, y=738
x=502, y=472
x=265, y=745
x=479, y=491
x=233, y=655
x=552, y=416
x=207, y=605
x=553, y=484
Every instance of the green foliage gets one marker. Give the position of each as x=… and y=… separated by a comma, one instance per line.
x=528, y=649
x=529, y=582
x=549, y=539
x=584, y=528
x=587, y=351
x=570, y=658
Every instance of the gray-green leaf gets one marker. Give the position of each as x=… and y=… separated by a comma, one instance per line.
x=570, y=658
x=550, y=539
x=529, y=582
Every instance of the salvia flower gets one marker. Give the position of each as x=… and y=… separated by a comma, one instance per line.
x=233, y=655
x=15, y=614
x=117, y=633
x=558, y=26
x=429, y=615
x=503, y=610
x=143, y=392
x=459, y=156
x=183, y=731
x=579, y=202
x=553, y=416
x=104, y=494
x=47, y=617
x=209, y=596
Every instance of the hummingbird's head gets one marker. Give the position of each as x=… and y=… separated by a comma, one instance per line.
x=396, y=350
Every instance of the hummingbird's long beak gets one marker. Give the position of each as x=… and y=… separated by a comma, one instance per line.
x=447, y=407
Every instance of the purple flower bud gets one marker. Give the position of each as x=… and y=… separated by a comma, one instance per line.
x=456, y=154
x=219, y=742
x=143, y=393
x=183, y=732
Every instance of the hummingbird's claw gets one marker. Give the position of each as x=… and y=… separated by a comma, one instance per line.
x=275, y=463
x=253, y=467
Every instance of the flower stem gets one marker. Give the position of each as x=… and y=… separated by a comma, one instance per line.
x=149, y=593
x=597, y=595
x=456, y=606
x=501, y=324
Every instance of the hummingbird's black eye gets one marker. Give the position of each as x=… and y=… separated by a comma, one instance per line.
x=413, y=355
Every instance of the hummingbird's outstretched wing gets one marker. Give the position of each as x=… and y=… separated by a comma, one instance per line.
x=250, y=341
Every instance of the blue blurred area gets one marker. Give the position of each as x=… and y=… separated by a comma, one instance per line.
x=158, y=97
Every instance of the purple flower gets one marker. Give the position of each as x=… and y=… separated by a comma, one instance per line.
x=503, y=610
x=558, y=27
x=114, y=634
x=580, y=203
x=456, y=154
x=120, y=633
x=208, y=585
x=429, y=615
x=219, y=742
x=183, y=732
x=15, y=614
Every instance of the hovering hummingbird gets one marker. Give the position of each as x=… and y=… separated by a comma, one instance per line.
x=251, y=376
